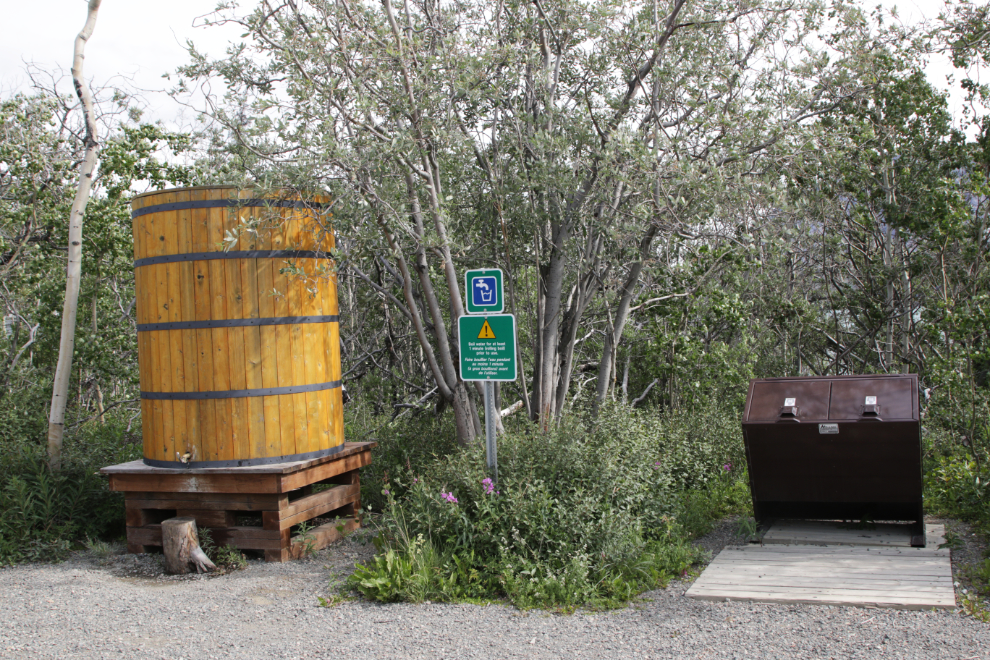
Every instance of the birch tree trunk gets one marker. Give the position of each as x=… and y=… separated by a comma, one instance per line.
x=548, y=389
x=613, y=338
x=87, y=170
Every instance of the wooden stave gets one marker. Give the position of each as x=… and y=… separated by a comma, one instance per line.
x=227, y=431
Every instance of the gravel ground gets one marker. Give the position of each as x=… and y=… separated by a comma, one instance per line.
x=124, y=607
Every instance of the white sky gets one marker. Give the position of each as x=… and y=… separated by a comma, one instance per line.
x=137, y=40
x=142, y=40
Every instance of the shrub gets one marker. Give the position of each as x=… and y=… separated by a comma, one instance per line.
x=42, y=514
x=407, y=444
x=580, y=516
x=226, y=557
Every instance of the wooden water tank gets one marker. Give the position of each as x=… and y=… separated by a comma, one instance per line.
x=239, y=353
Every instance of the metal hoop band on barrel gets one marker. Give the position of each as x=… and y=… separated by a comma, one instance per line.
x=233, y=254
x=245, y=462
x=227, y=203
x=236, y=323
x=239, y=394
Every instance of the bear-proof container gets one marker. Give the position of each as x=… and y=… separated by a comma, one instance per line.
x=835, y=448
x=238, y=341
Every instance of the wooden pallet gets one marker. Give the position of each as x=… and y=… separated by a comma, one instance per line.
x=866, y=576
x=251, y=508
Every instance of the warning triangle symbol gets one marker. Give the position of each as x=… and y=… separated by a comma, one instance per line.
x=486, y=331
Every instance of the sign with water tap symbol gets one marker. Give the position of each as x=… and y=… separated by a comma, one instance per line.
x=487, y=345
x=486, y=336
x=484, y=291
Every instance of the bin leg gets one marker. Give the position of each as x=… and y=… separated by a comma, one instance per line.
x=918, y=535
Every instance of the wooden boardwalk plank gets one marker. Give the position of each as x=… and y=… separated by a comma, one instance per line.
x=844, y=551
x=838, y=597
x=852, y=551
x=877, y=576
x=848, y=581
x=901, y=572
x=833, y=561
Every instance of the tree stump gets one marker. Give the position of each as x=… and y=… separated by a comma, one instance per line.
x=180, y=543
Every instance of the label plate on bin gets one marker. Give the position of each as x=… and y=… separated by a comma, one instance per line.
x=828, y=429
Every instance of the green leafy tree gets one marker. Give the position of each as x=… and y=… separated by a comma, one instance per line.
x=557, y=140
x=39, y=152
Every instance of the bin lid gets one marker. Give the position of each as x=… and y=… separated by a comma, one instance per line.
x=810, y=397
x=894, y=395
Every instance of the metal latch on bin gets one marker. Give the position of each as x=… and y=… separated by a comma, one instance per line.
x=870, y=408
x=789, y=411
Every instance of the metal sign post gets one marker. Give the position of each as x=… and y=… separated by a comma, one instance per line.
x=488, y=354
x=487, y=343
x=491, y=457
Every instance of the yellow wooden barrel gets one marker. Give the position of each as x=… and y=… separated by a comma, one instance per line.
x=239, y=352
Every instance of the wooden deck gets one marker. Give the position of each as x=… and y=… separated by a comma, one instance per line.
x=866, y=575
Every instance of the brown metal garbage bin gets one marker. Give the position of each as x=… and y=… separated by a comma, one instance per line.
x=835, y=448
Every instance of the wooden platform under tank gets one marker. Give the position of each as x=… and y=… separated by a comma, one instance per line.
x=251, y=508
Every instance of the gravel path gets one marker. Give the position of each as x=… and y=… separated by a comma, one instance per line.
x=125, y=608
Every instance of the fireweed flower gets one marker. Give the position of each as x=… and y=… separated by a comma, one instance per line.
x=449, y=497
x=727, y=467
x=489, y=487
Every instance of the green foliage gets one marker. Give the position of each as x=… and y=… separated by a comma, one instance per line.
x=964, y=28
x=226, y=557
x=979, y=573
x=304, y=534
x=229, y=557
x=412, y=574
x=103, y=550
x=580, y=516
x=747, y=530
x=975, y=607
x=953, y=485
x=405, y=445
x=955, y=482
x=21, y=417
x=42, y=514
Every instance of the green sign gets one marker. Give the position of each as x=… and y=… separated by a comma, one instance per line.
x=488, y=347
x=483, y=290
